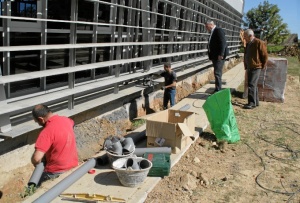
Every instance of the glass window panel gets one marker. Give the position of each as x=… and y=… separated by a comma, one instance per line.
x=59, y=10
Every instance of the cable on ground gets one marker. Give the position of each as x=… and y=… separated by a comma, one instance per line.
x=294, y=154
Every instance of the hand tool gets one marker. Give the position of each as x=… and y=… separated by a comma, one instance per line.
x=91, y=197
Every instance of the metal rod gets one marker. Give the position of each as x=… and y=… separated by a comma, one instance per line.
x=93, y=45
x=90, y=23
x=93, y=23
x=171, y=3
x=46, y=73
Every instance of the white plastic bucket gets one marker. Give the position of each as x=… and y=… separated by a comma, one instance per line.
x=130, y=178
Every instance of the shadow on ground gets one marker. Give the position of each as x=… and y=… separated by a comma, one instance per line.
x=107, y=178
x=208, y=136
x=237, y=94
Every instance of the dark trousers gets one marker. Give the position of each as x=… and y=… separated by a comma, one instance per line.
x=218, y=68
x=253, y=76
x=169, y=95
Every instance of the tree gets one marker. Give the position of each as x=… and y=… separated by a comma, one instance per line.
x=266, y=18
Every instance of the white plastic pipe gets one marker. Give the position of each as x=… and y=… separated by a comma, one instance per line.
x=65, y=183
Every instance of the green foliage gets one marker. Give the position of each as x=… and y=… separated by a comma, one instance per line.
x=275, y=48
x=138, y=123
x=242, y=49
x=28, y=191
x=266, y=17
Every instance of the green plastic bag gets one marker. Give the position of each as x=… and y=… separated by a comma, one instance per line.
x=220, y=114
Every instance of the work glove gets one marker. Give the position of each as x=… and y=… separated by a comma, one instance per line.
x=163, y=88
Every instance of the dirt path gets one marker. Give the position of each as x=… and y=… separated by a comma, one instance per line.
x=263, y=167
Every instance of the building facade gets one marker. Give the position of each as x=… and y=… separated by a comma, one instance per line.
x=62, y=52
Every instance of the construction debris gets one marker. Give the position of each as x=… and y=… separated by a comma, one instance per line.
x=290, y=50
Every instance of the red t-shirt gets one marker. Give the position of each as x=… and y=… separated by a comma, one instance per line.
x=57, y=141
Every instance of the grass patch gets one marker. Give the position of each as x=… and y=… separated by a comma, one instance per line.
x=28, y=191
x=280, y=141
x=138, y=123
x=293, y=66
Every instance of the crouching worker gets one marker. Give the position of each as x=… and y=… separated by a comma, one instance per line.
x=55, y=145
x=170, y=85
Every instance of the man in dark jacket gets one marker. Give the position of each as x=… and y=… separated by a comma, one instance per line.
x=217, y=51
x=255, y=59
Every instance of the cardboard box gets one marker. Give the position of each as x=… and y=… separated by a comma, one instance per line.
x=170, y=128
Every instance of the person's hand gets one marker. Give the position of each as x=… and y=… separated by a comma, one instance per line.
x=220, y=57
x=163, y=88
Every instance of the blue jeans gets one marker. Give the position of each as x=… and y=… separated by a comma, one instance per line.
x=169, y=95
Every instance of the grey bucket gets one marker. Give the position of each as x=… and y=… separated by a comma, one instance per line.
x=113, y=157
x=131, y=178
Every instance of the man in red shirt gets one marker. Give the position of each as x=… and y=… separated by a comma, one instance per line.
x=55, y=144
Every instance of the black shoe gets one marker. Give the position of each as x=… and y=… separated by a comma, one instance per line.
x=247, y=106
x=215, y=91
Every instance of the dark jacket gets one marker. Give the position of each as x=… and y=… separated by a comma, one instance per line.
x=217, y=45
x=256, y=54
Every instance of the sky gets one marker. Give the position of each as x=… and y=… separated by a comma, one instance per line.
x=289, y=12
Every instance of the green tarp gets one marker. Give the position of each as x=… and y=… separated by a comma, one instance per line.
x=220, y=114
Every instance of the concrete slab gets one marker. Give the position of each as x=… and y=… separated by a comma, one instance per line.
x=105, y=180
